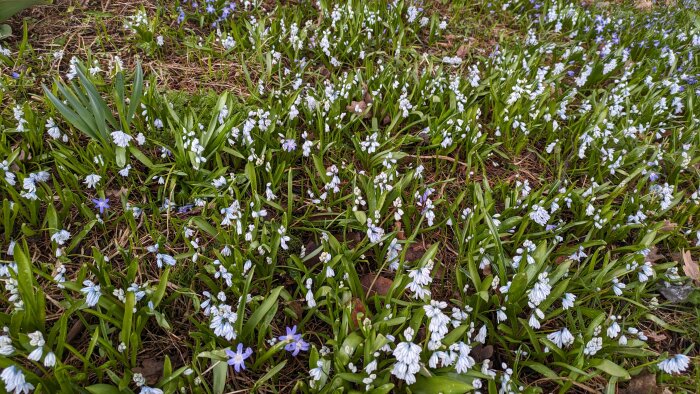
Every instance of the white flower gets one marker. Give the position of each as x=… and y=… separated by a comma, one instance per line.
x=645, y=272
x=92, y=180
x=121, y=139
x=162, y=258
x=50, y=360
x=561, y=338
x=481, y=335
x=539, y=215
x=617, y=286
x=421, y=279
x=36, y=338
x=318, y=371
x=541, y=290
x=14, y=380
x=439, y=322
x=464, y=360
x=676, y=364
x=36, y=354
x=568, y=301
x=501, y=315
x=52, y=130
x=310, y=294
x=150, y=390
x=223, y=319
x=92, y=292
x=407, y=356
x=125, y=171
x=593, y=346
x=614, y=330
x=60, y=237
x=283, y=237
x=6, y=347
x=374, y=233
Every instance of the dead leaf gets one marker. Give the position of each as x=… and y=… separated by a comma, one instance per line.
x=296, y=307
x=653, y=255
x=324, y=71
x=425, y=138
x=357, y=308
x=310, y=247
x=691, y=268
x=399, y=230
x=415, y=252
x=644, y=5
x=560, y=259
x=151, y=369
x=357, y=107
x=375, y=284
x=641, y=384
x=668, y=226
x=656, y=337
x=462, y=51
x=116, y=193
x=481, y=352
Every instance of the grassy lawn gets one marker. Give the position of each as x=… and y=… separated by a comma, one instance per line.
x=229, y=196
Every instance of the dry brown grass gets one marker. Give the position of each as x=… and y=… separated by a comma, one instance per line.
x=97, y=29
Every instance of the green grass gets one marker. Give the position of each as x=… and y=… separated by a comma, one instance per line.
x=428, y=200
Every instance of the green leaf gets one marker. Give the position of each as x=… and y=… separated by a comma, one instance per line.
x=160, y=290
x=439, y=384
x=455, y=335
x=610, y=368
x=128, y=316
x=518, y=286
x=136, y=93
x=269, y=375
x=5, y=31
x=252, y=324
x=543, y=370
x=220, y=372
x=10, y=7
x=383, y=389
x=34, y=316
x=347, y=349
x=140, y=157
x=103, y=389
x=360, y=216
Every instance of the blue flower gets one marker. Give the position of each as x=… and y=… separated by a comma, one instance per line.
x=291, y=335
x=296, y=343
x=101, y=203
x=237, y=358
x=296, y=347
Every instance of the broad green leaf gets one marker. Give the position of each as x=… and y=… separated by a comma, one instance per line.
x=103, y=389
x=10, y=7
x=610, y=368
x=220, y=372
x=439, y=384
